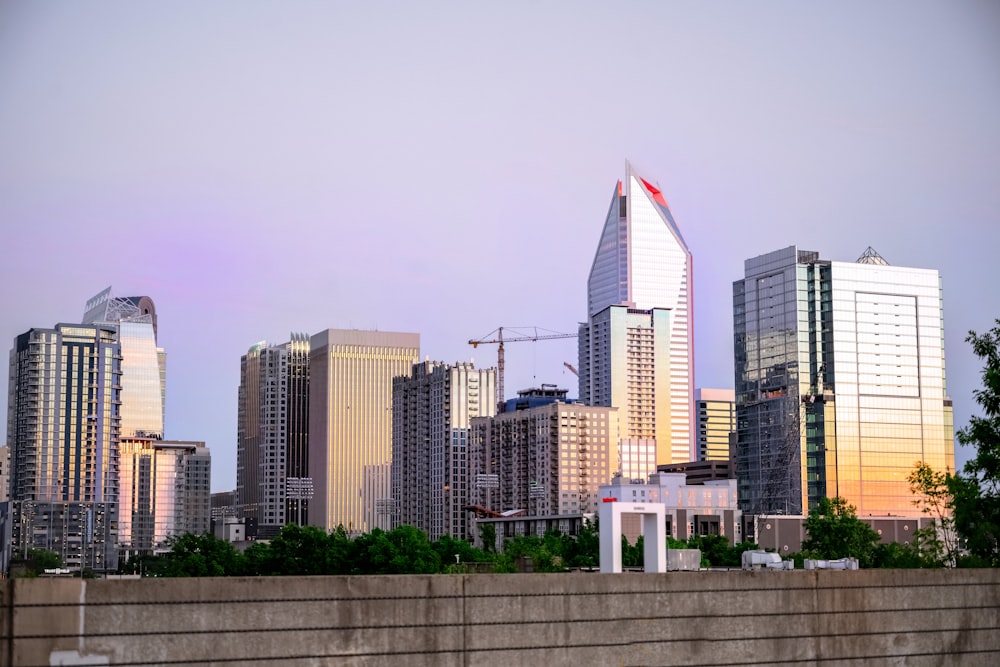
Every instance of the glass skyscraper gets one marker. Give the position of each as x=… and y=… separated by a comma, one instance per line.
x=143, y=362
x=840, y=382
x=637, y=346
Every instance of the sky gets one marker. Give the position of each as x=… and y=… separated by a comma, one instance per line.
x=445, y=168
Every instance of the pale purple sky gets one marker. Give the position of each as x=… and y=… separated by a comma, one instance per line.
x=445, y=168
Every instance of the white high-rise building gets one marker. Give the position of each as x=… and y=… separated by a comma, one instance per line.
x=637, y=345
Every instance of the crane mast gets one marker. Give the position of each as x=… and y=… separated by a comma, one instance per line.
x=496, y=337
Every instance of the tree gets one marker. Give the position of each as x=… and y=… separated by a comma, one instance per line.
x=488, y=533
x=976, y=494
x=403, y=550
x=299, y=550
x=936, y=544
x=586, y=551
x=834, y=531
x=35, y=563
x=199, y=556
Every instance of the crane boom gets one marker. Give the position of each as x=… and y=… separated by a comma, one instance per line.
x=496, y=337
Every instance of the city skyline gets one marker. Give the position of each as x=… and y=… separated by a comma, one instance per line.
x=443, y=169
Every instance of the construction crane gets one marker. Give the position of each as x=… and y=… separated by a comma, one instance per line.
x=496, y=337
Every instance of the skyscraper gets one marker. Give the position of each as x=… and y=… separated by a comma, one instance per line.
x=840, y=382
x=350, y=416
x=431, y=409
x=63, y=428
x=272, y=462
x=637, y=345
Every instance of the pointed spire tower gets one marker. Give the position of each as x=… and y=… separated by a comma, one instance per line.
x=637, y=346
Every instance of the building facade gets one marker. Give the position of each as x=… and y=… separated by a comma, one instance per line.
x=273, y=486
x=636, y=349
x=431, y=412
x=627, y=351
x=64, y=424
x=165, y=492
x=715, y=410
x=840, y=382
x=350, y=417
x=709, y=508
x=549, y=460
x=144, y=363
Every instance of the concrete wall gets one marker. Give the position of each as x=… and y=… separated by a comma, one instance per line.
x=912, y=617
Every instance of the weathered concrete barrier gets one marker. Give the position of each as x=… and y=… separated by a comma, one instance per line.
x=883, y=617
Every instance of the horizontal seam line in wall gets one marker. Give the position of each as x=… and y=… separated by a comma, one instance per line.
x=808, y=661
x=440, y=626
x=494, y=596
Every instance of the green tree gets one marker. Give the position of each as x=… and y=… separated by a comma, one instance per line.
x=834, y=531
x=199, y=556
x=448, y=547
x=586, y=551
x=935, y=544
x=403, y=550
x=633, y=555
x=488, y=533
x=259, y=561
x=896, y=555
x=300, y=550
x=35, y=562
x=976, y=494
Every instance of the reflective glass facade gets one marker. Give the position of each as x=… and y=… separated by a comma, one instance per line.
x=166, y=492
x=840, y=382
x=643, y=263
x=142, y=391
x=63, y=428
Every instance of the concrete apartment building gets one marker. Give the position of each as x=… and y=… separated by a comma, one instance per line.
x=549, y=459
x=431, y=412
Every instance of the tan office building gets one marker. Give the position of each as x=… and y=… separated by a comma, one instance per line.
x=350, y=417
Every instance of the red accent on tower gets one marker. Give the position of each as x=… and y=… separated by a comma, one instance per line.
x=657, y=195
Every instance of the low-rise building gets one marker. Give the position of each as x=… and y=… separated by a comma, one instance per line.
x=709, y=508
